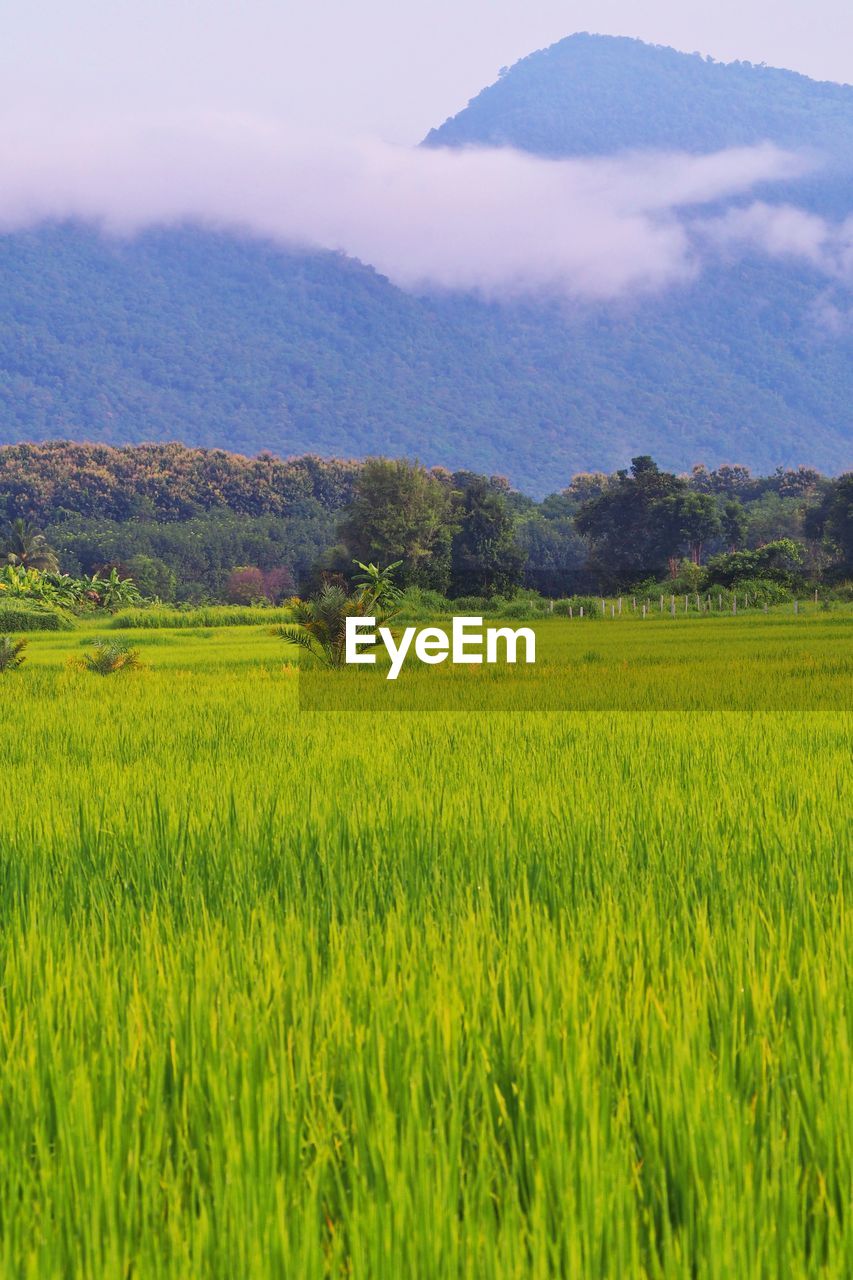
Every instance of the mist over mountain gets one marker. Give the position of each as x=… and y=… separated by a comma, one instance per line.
x=712, y=321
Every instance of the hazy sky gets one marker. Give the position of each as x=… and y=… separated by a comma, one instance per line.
x=387, y=68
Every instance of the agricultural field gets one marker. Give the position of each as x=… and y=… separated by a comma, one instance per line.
x=540, y=974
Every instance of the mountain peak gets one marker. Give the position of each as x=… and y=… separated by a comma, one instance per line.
x=594, y=94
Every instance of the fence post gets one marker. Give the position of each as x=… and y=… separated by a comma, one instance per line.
x=734, y=604
x=620, y=606
x=644, y=611
x=571, y=615
x=581, y=611
x=661, y=604
x=796, y=606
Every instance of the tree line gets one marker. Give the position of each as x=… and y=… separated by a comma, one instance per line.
x=193, y=524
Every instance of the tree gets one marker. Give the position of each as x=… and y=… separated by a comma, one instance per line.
x=797, y=483
x=769, y=518
x=734, y=522
x=485, y=557
x=632, y=530
x=278, y=583
x=686, y=518
x=554, y=555
x=319, y=625
x=732, y=480
x=832, y=521
x=153, y=576
x=245, y=585
x=26, y=545
x=586, y=485
x=401, y=511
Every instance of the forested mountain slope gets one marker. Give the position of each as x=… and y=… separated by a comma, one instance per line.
x=222, y=341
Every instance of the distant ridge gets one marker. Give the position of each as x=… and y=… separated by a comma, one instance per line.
x=223, y=342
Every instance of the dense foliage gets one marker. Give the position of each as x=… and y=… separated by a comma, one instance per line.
x=25, y=615
x=210, y=526
x=41, y=483
x=61, y=591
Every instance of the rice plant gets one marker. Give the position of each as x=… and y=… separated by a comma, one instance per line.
x=450, y=993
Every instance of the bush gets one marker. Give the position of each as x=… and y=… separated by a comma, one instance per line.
x=475, y=605
x=523, y=610
x=28, y=617
x=419, y=604
x=779, y=561
x=590, y=605
x=759, y=591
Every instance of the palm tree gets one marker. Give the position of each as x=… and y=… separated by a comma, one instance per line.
x=26, y=545
x=319, y=625
x=11, y=653
x=110, y=657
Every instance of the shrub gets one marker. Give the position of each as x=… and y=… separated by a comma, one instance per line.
x=475, y=605
x=11, y=653
x=29, y=617
x=419, y=604
x=760, y=591
x=779, y=561
x=590, y=605
x=523, y=610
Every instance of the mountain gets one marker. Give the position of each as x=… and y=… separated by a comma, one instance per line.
x=593, y=95
x=219, y=340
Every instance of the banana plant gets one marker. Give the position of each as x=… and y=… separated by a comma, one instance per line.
x=116, y=592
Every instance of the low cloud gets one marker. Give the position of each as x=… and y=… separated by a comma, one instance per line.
x=783, y=231
x=495, y=221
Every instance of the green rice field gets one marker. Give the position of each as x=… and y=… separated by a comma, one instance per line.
x=539, y=974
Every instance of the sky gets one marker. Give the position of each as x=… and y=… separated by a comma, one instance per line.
x=387, y=69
